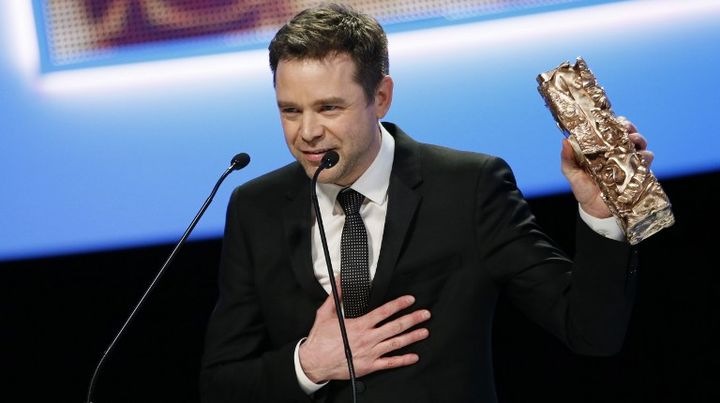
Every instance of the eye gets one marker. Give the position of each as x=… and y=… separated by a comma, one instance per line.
x=329, y=108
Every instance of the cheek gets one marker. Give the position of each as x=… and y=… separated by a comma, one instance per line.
x=288, y=133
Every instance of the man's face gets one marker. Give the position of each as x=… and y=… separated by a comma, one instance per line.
x=322, y=108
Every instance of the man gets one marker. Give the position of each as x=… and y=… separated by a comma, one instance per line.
x=446, y=232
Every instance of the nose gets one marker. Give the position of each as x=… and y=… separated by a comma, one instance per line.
x=311, y=127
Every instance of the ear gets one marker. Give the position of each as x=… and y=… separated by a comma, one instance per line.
x=383, y=96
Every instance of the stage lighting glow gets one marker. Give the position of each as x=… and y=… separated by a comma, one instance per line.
x=156, y=74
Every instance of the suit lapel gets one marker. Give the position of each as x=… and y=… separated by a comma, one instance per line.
x=403, y=201
x=297, y=225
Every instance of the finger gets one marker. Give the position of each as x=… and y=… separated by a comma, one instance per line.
x=338, y=287
x=647, y=157
x=401, y=324
x=394, y=362
x=388, y=309
x=401, y=341
x=629, y=126
x=639, y=141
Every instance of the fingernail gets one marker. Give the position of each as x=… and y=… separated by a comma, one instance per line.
x=410, y=299
x=426, y=314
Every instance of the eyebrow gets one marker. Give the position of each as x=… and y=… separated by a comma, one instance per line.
x=324, y=101
x=331, y=100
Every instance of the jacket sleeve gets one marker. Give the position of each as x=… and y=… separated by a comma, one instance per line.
x=586, y=301
x=238, y=363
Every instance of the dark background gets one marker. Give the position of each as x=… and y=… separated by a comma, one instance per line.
x=59, y=314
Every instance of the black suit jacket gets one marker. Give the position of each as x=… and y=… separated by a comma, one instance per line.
x=457, y=232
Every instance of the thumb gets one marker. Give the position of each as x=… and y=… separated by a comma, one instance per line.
x=567, y=153
x=328, y=307
x=569, y=163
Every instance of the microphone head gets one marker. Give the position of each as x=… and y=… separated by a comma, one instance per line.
x=240, y=161
x=330, y=159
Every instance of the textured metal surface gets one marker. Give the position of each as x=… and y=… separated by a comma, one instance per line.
x=582, y=111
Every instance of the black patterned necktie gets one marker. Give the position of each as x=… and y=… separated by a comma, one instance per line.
x=354, y=267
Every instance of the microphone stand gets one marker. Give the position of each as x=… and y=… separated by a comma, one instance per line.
x=238, y=162
x=329, y=160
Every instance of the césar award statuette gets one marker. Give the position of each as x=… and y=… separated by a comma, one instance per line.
x=602, y=146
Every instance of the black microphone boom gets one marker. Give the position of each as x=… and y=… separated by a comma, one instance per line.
x=329, y=160
x=238, y=162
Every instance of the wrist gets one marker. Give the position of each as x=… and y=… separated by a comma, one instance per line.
x=597, y=210
x=307, y=364
x=306, y=384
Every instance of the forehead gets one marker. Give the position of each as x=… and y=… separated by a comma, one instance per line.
x=333, y=62
x=331, y=75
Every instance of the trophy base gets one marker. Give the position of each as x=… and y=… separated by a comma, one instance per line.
x=649, y=225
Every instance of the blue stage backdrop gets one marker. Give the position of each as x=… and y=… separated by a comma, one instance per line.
x=117, y=117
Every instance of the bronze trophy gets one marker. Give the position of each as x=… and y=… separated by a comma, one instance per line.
x=602, y=146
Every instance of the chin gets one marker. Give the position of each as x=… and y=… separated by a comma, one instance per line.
x=325, y=179
x=329, y=177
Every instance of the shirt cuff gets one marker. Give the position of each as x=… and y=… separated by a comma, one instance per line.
x=308, y=386
x=607, y=227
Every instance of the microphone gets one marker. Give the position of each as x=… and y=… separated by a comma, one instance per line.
x=238, y=162
x=330, y=159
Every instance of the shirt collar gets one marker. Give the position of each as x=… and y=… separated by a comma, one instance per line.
x=373, y=183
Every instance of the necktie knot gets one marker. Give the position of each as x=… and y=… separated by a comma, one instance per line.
x=350, y=201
